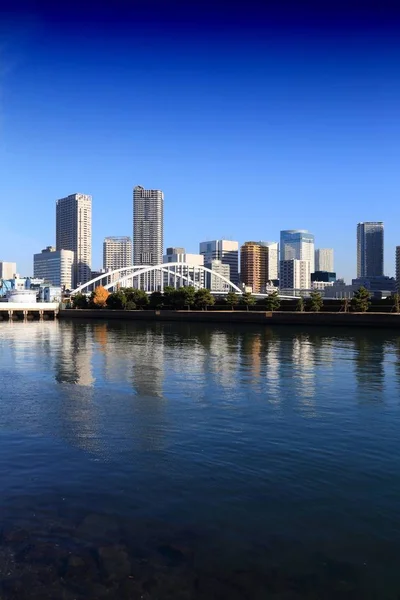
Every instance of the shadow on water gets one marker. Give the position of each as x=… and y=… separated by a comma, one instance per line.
x=187, y=461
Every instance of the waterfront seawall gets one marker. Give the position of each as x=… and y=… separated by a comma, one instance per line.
x=387, y=320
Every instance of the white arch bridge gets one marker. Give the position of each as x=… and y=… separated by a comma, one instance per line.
x=151, y=278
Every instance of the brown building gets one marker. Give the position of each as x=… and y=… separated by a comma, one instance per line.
x=254, y=265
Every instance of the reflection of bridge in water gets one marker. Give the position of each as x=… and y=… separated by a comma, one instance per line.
x=151, y=278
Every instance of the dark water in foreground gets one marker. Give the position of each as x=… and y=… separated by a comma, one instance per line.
x=165, y=461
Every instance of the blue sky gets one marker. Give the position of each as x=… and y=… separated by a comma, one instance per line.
x=251, y=120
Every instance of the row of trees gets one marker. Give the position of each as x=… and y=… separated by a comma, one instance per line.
x=189, y=297
x=133, y=299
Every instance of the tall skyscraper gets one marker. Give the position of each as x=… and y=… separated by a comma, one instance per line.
x=253, y=261
x=148, y=226
x=54, y=266
x=227, y=251
x=324, y=260
x=117, y=252
x=298, y=244
x=398, y=268
x=74, y=232
x=370, y=249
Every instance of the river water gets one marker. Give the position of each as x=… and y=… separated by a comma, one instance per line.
x=167, y=461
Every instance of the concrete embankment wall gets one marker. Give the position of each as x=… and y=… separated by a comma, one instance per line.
x=387, y=320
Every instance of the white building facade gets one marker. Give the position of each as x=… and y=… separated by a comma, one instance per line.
x=74, y=232
x=8, y=270
x=324, y=260
x=227, y=251
x=117, y=252
x=295, y=275
x=55, y=267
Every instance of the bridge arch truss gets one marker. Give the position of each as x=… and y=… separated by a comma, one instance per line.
x=151, y=278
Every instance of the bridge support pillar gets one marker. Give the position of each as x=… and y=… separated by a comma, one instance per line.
x=10, y=315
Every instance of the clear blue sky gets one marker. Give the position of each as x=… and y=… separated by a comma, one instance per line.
x=251, y=119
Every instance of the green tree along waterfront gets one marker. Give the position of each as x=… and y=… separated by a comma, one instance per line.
x=361, y=300
x=315, y=302
x=190, y=298
x=273, y=301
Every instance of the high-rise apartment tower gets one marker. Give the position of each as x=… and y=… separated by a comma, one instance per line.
x=253, y=269
x=148, y=230
x=74, y=232
x=370, y=249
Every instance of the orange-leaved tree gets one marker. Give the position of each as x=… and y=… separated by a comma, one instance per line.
x=99, y=297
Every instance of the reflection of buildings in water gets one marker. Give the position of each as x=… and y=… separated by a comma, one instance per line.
x=369, y=355
x=256, y=356
x=396, y=351
x=80, y=418
x=75, y=355
x=78, y=408
x=250, y=359
x=273, y=369
x=147, y=356
x=100, y=334
x=303, y=361
x=187, y=352
x=27, y=344
x=222, y=360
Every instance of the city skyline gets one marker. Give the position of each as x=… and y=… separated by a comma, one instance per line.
x=298, y=235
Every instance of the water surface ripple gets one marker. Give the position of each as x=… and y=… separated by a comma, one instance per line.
x=162, y=461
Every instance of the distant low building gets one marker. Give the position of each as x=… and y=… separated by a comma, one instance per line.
x=323, y=276
x=50, y=294
x=321, y=285
x=376, y=284
x=380, y=287
x=175, y=250
x=56, y=267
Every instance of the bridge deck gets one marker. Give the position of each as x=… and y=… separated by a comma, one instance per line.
x=30, y=307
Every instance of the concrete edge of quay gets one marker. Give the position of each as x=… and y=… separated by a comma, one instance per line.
x=260, y=317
